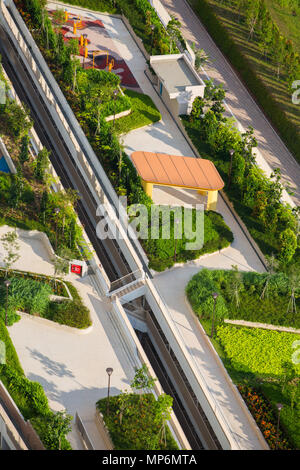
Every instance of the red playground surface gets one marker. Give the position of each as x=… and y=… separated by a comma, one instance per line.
x=94, y=31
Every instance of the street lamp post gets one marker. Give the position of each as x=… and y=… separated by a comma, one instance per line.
x=7, y=284
x=176, y=222
x=109, y=371
x=115, y=97
x=231, y=152
x=215, y=295
x=57, y=211
x=279, y=408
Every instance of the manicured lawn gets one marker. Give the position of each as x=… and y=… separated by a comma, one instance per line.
x=144, y=112
x=138, y=429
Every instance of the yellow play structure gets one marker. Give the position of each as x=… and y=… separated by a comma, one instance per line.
x=111, y=65
x=77, y=24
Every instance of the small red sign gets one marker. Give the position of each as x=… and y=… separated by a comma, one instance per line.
x=76, y=269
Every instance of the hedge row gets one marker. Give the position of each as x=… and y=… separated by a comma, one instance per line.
x=285, y=128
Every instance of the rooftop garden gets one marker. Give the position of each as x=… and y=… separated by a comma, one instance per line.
x=83, y=88
x=26, y=198
x=141, y=16
x=261, y=40
x=138, y=421
x=256, y=198
x=31, y=400
x=262, y=363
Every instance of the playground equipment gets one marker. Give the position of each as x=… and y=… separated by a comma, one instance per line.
x=111, y=65
x=95, y=53
x=83, y=40
x=66, y=16
x=77, y=24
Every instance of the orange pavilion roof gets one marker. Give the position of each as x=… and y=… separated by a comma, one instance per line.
x=174, y=170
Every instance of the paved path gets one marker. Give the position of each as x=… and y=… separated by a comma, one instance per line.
x=203, y=356
x=70, y=366
x=238, y=98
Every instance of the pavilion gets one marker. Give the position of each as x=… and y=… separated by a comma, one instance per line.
x=183, y=172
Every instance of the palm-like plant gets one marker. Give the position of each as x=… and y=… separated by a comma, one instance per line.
x=272, y=265
x=201, y=58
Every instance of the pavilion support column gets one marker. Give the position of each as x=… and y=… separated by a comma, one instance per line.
x=148, y=187
x=212, y=198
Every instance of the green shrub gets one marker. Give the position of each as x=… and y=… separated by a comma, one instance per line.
x=161, y=252
x=245, y=296
x=71, y=313
x=264, y=357
x=27, y=295
x=139, y=427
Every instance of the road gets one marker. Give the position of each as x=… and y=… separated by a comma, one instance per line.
x=238, y=98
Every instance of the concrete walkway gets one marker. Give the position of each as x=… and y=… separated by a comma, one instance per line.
x=71, y=366
x=171, y=285
x=33, y=254
x=238, y=98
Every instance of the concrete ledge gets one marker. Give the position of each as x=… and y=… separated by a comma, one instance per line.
x=119, y=115
x=104, y=432
x=46, y=322
x=265, y=326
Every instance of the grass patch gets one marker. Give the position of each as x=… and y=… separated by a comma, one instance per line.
x=261, y=355
x=253, y=357
x=144, y=112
